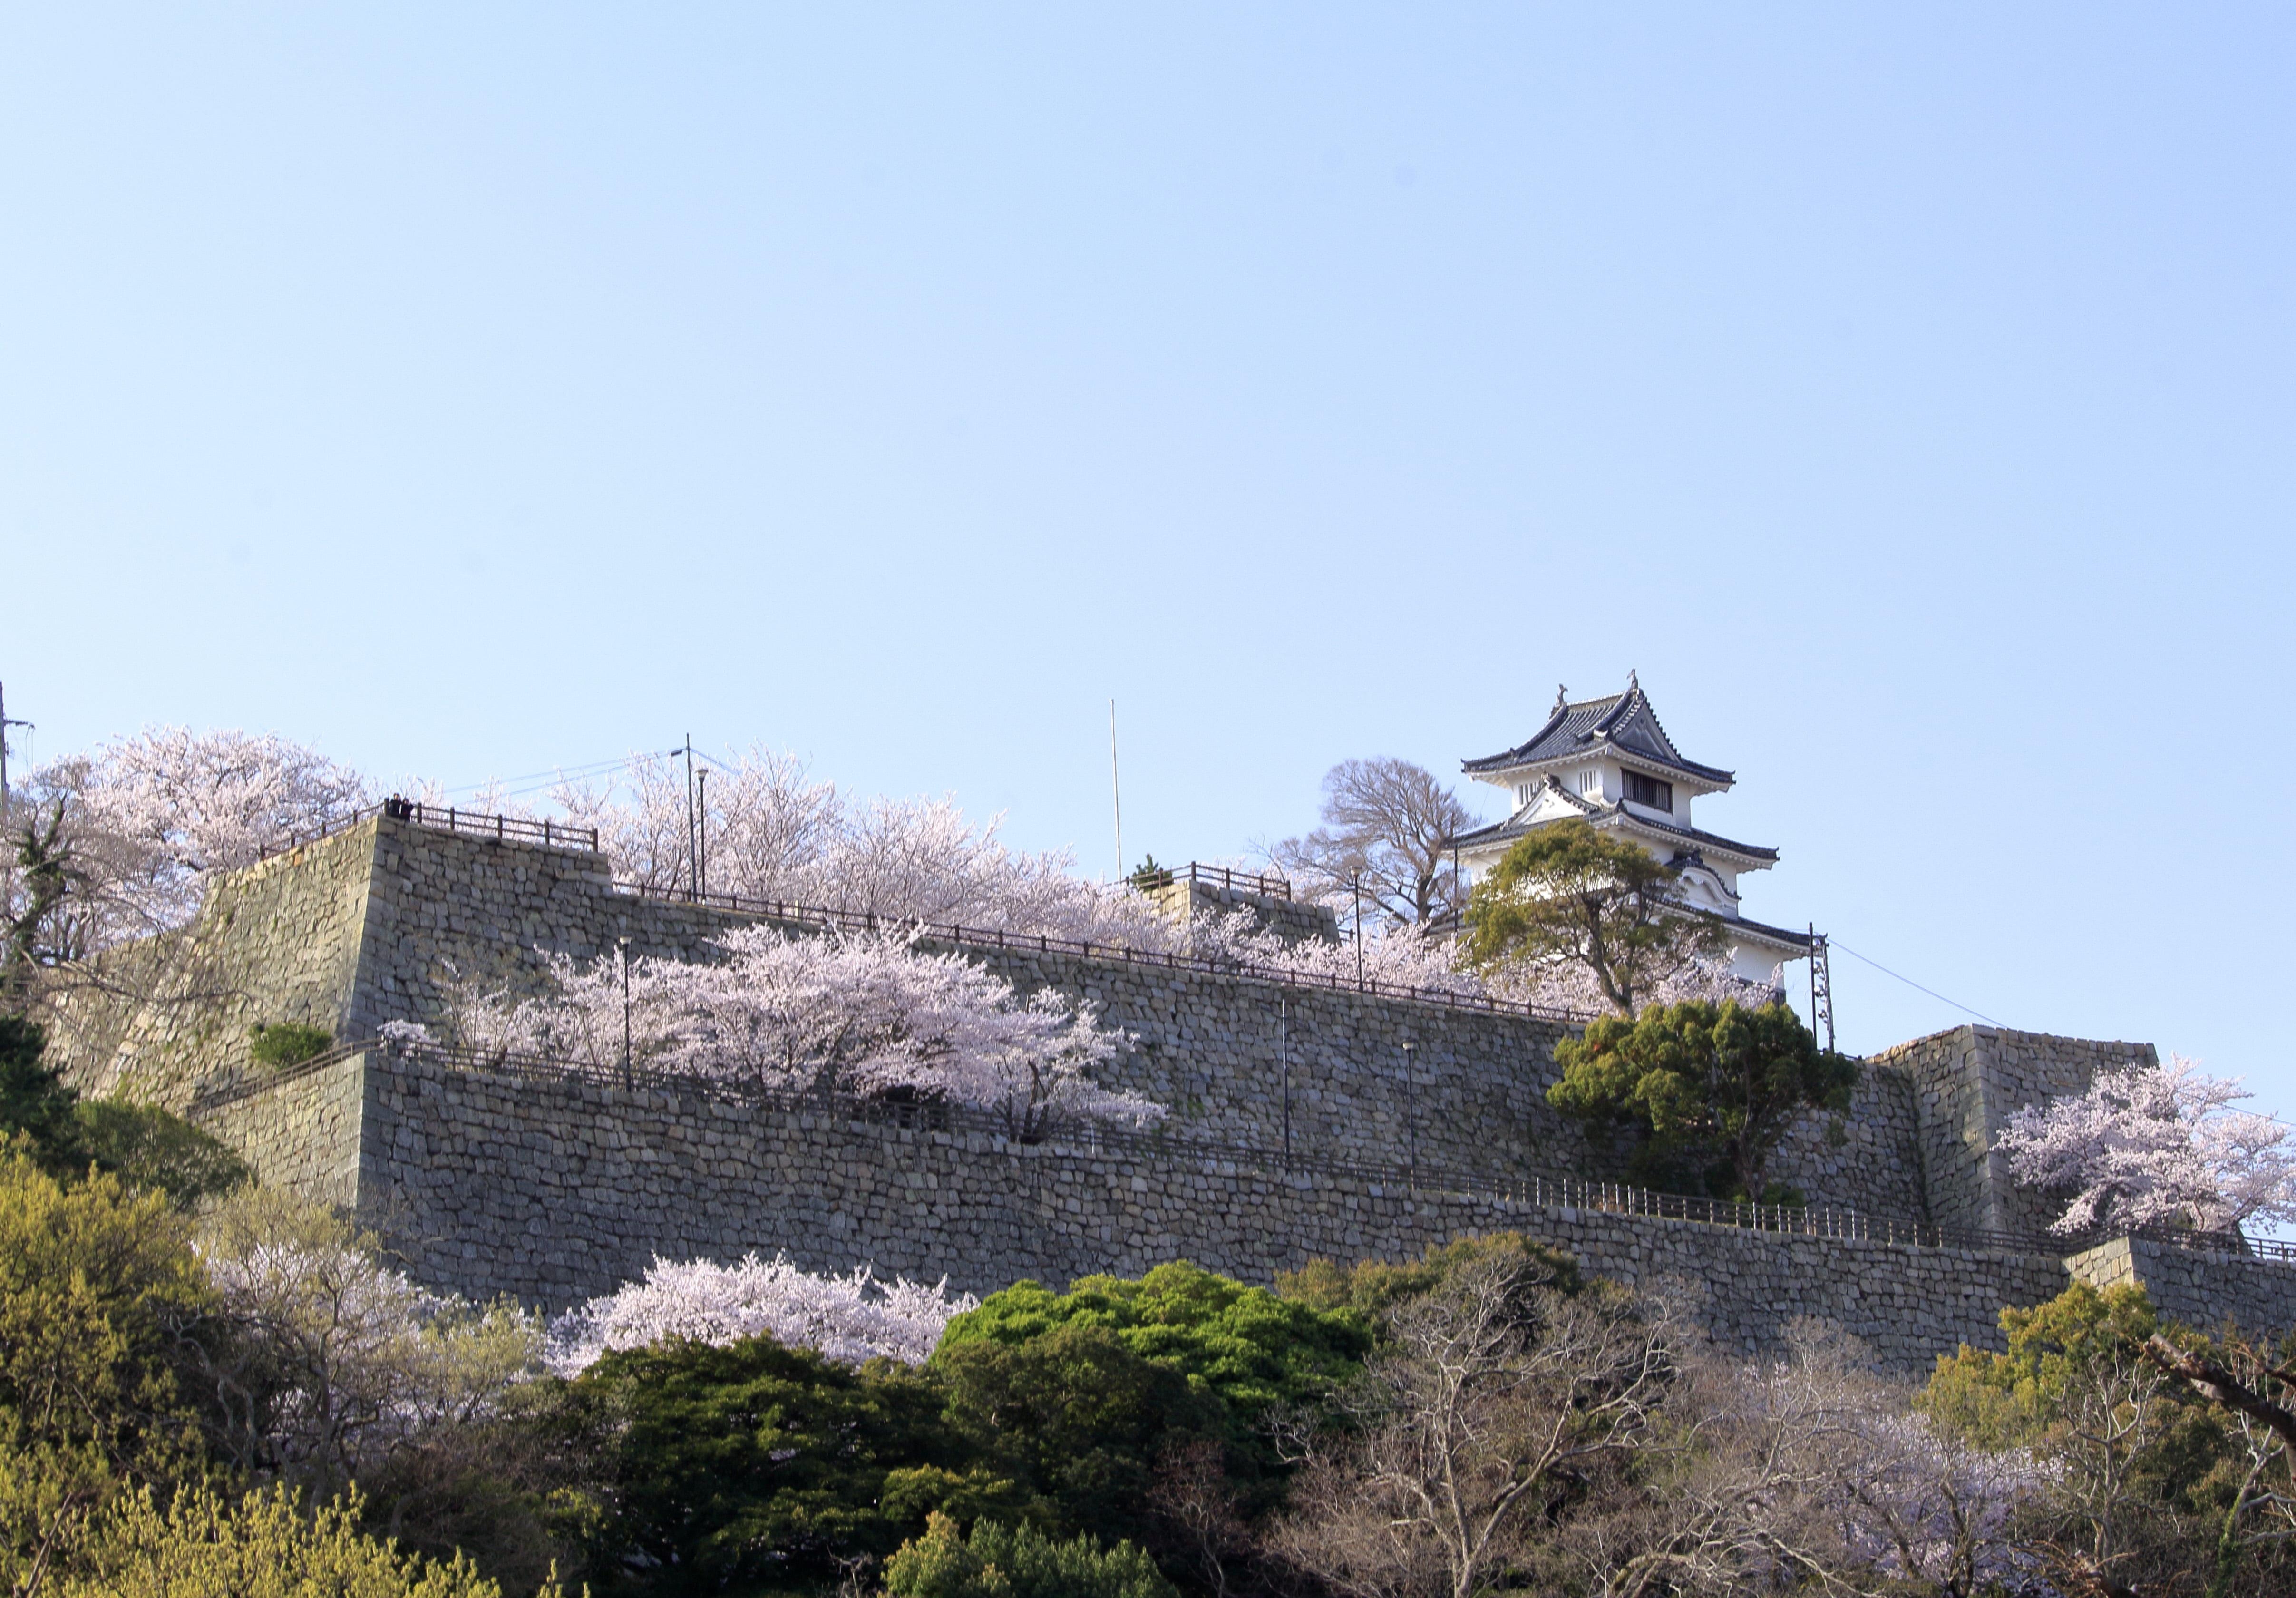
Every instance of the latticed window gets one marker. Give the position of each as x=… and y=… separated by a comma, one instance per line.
x=1651, y=791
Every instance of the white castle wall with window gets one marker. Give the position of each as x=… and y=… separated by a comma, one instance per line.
x=1610, y=763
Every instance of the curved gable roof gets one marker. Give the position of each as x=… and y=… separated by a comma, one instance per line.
x=1624, y=722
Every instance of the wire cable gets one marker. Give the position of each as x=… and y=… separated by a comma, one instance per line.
x=1837, y=944
x=561, y=773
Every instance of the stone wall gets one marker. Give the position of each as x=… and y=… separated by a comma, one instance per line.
x=556, y=1191
x=2201, y=1288
x=280, y=941
x=300, y=1131
x=1967, y=1084
x=389, y=912
x=1188, y=898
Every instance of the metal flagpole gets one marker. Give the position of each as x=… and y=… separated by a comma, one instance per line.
x=1116, y=787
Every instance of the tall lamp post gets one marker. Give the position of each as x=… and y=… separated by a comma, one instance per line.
x=1284, y=1064
x=1411, y=1114
x=1356, y=880
x=622, y=966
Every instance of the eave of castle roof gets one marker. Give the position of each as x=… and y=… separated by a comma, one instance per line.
x=1622, y=723
x=1616, y=813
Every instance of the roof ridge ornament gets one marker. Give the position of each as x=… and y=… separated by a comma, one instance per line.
x=1562, y=700
x=1633, y=684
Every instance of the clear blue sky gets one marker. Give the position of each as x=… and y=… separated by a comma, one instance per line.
x=1905, y=391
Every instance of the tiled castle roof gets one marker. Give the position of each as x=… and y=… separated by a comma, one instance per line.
x=1623, y=723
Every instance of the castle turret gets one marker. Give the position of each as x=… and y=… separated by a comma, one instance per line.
x=1610, y=763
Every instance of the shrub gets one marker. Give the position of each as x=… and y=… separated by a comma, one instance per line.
x=150, y=1149
x=266, y=1547
x=98, y=1290
x=1372, y=1287
x=283, y=1044
x=1243, y=1344
x=1017, y=1561
x=759, y=1468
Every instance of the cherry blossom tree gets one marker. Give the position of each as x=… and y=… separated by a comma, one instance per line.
x=338, y=1362
x=772, y=831
x=849, y=1318
x=1804, y=1472
x=126, y=838
x=2156, y=1145
x=183, y=804
x=859, y=1013
x=770, y=826
x=1414, y=956
x=1402, y=956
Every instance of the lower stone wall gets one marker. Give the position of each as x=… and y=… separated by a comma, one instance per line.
x=555, y=1191
x=2201, y=1288
x=300, y=1133
x=1966, y=1083
x=367, y=927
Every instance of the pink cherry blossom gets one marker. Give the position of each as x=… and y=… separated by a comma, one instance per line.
x=849, y=1318
x=856, y=1012
x=2156, y=1145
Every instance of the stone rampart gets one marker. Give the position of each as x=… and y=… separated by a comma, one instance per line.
x=391, y=913
x=555, y=1192
x=280, y=941
x=1967, y=1082
x=558, y=1190
x=300, y=1131
x=2201, y=1288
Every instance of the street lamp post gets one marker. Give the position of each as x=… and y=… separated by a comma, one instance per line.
x=622, y=967
x=1284, y=1063
x=1411, y=1114
x=1357, y=880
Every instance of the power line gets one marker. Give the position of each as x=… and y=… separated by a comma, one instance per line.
x=561, y=774
x=1909, y=982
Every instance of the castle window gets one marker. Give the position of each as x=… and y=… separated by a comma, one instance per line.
x=1651, y=791
x=1590, y=782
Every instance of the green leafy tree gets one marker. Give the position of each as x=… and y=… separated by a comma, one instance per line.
x=100, y=1292
x=1243, y=1344
x=1706, y=1090
x=2252, y=1388
x=1567, y=892
x=152, y=1147
x=2145, y=1471
x=265, y=1546
x=1374, y=1287
x=1017, y=1561
x=1079, y=1420
x=35, y=1103
x=757, y=1468
x=1134, y=1408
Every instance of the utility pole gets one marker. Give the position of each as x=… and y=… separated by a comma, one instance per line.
x=701, y=824
x=1821, y=988
x=691, y=883
x=1116, y=787
x=5, y=724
